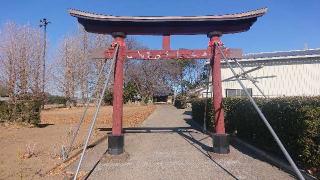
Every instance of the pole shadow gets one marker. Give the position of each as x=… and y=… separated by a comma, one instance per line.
x=205, y=150
x=152, y=129
x=184, y=132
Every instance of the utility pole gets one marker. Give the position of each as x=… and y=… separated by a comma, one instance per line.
x=43, y=23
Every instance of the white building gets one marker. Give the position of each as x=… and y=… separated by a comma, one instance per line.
x=287, y=73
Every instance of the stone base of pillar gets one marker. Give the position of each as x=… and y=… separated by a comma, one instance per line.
x=115, y=144
x=221, y=143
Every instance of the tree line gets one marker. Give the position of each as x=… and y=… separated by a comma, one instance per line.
x=73, y=73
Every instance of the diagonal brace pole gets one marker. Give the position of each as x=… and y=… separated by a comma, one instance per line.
x=254, y=82
x=206, y=104
x=264, y=119
x=243, y=73
x=75, y=134
x=97, y=112
x=260, y=77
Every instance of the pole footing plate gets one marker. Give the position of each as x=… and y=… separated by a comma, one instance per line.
x=221, y=143
x=115, y=144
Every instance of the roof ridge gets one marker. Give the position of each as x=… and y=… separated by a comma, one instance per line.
x=259, y=12
x=74, y=11
x=270, y=52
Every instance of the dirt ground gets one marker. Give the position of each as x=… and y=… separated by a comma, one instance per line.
x=33, y=152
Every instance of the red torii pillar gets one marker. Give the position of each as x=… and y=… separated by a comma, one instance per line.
x=220, y=138
x=116, y=138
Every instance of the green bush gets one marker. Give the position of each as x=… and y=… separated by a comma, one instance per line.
x=129, y=92
x=22, y=111
x=180, y=102
x=4, y=111
x=310, y=141
x=296, y=120
x=52, y=99
x=3, y=91
x=198, y=109
x=108, y=97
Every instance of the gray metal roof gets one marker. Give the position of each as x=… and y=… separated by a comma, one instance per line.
x=306, y=52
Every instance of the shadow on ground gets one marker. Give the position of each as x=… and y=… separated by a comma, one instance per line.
x=234, y=144
x=152, y=129
x=43, y=125
x=188, y=134
x=184, y=132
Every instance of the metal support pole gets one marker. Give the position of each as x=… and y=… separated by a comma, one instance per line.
x=206, y=103
x=254, y=82
x=69, y=149
x=283, y=149
x=96, y=113
x=242, y=74
x=220, y=138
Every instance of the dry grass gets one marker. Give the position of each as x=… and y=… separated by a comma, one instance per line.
x=30, y=152
x=132, y=115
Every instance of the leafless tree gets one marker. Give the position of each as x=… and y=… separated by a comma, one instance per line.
x=74, y=71
x=65, y=74
x=154, y=77
x=77, y=72
x=99, y=42
x=151, y=77
x=83, y=66
x=20, y=59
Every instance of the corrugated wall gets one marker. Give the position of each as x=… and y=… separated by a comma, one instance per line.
x=298, y=77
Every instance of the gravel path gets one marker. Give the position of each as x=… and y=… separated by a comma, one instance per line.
x=168, y=147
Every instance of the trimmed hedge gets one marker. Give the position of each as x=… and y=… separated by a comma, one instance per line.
x=198, y=107
x=52, y=99
x=296, y=120
x=22, y=111
x=180, y=102
x=4, y=111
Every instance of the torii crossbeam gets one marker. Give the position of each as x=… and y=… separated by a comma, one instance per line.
x=212, y=26
x=168, y=54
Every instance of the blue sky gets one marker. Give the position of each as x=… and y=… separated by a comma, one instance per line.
x=287, y=25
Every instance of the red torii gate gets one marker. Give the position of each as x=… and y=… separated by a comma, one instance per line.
x=213, y=26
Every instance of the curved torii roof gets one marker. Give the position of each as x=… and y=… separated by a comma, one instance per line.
x=167, y=25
